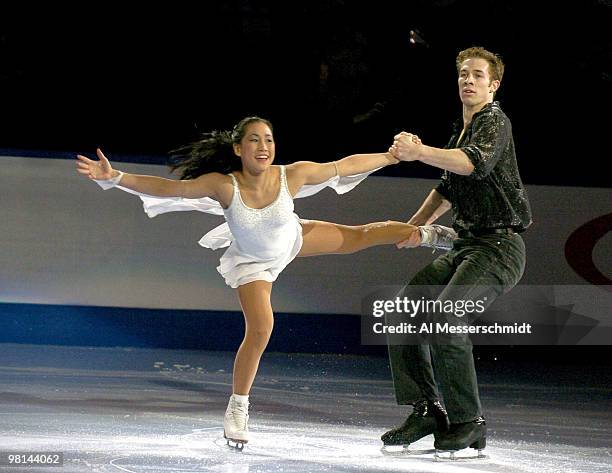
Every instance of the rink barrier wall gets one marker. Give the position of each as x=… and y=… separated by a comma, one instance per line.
x=45, y=324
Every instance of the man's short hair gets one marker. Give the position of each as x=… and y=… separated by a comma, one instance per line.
x=496, y=65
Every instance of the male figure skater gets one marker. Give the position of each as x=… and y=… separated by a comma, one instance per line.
x=490, y=208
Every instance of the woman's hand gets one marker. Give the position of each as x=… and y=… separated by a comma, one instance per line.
x=98, y=170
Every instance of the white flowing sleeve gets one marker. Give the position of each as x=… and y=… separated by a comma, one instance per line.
x=154, y=206
x=341, y=185
x=218, y=237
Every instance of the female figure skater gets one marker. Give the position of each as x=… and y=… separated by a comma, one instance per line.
x=232, y=173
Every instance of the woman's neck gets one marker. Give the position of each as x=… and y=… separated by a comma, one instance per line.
x=259, y=180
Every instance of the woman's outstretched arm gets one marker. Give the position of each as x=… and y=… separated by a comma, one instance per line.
x=310, y=173
x=101, y=170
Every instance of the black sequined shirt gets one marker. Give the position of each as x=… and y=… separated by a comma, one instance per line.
x=493, y=196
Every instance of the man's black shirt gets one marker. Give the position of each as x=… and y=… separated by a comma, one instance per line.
x=492, y=196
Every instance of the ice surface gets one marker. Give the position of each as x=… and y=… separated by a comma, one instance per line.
x=135, y=410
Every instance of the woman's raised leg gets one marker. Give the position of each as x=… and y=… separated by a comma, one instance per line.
x=321, y=238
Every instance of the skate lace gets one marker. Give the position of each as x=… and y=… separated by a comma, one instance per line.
x=420, y=409
x=240, y=414
x=437, y=237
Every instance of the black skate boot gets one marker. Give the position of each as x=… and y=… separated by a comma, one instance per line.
x=426, y=418
x=468, y=434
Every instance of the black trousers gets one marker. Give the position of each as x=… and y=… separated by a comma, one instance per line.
x=476, y=268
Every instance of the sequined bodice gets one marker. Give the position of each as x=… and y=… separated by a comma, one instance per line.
x=262, y=233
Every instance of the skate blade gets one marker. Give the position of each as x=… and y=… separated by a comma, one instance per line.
x=458, y=455
x=235, y=444
x=404, y=451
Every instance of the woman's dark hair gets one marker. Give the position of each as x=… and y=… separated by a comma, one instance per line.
x=213, y=152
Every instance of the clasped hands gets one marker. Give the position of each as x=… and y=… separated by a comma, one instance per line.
x=405, y=147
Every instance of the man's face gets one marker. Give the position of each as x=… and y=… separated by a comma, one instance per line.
x=475, y=85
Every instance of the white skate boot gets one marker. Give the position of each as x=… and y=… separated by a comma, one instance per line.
x=437, y=237
x=236, y=423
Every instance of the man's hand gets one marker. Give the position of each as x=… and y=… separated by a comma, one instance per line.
x=405, y=147
x=412, y=241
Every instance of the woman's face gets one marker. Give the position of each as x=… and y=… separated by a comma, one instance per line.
x=256, y=149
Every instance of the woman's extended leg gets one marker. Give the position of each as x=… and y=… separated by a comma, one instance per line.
x=322, y=238
x=259, y=321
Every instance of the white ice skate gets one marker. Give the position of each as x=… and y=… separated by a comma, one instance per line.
x=236, y=424
x=437, y=237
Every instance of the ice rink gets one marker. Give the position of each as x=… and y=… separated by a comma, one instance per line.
x=143, y=410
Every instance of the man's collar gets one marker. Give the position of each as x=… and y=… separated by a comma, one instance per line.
x=458, y=124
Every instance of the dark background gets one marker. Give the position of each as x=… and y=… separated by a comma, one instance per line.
x=335, y=77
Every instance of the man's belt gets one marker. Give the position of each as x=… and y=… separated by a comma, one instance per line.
x=478, y=232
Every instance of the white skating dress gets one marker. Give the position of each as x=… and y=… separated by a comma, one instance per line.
x=262, y=242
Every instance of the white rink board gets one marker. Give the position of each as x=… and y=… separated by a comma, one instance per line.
x=65, y=241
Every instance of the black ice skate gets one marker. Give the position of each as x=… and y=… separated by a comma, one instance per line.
x=426, y=418
x=460, y=436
